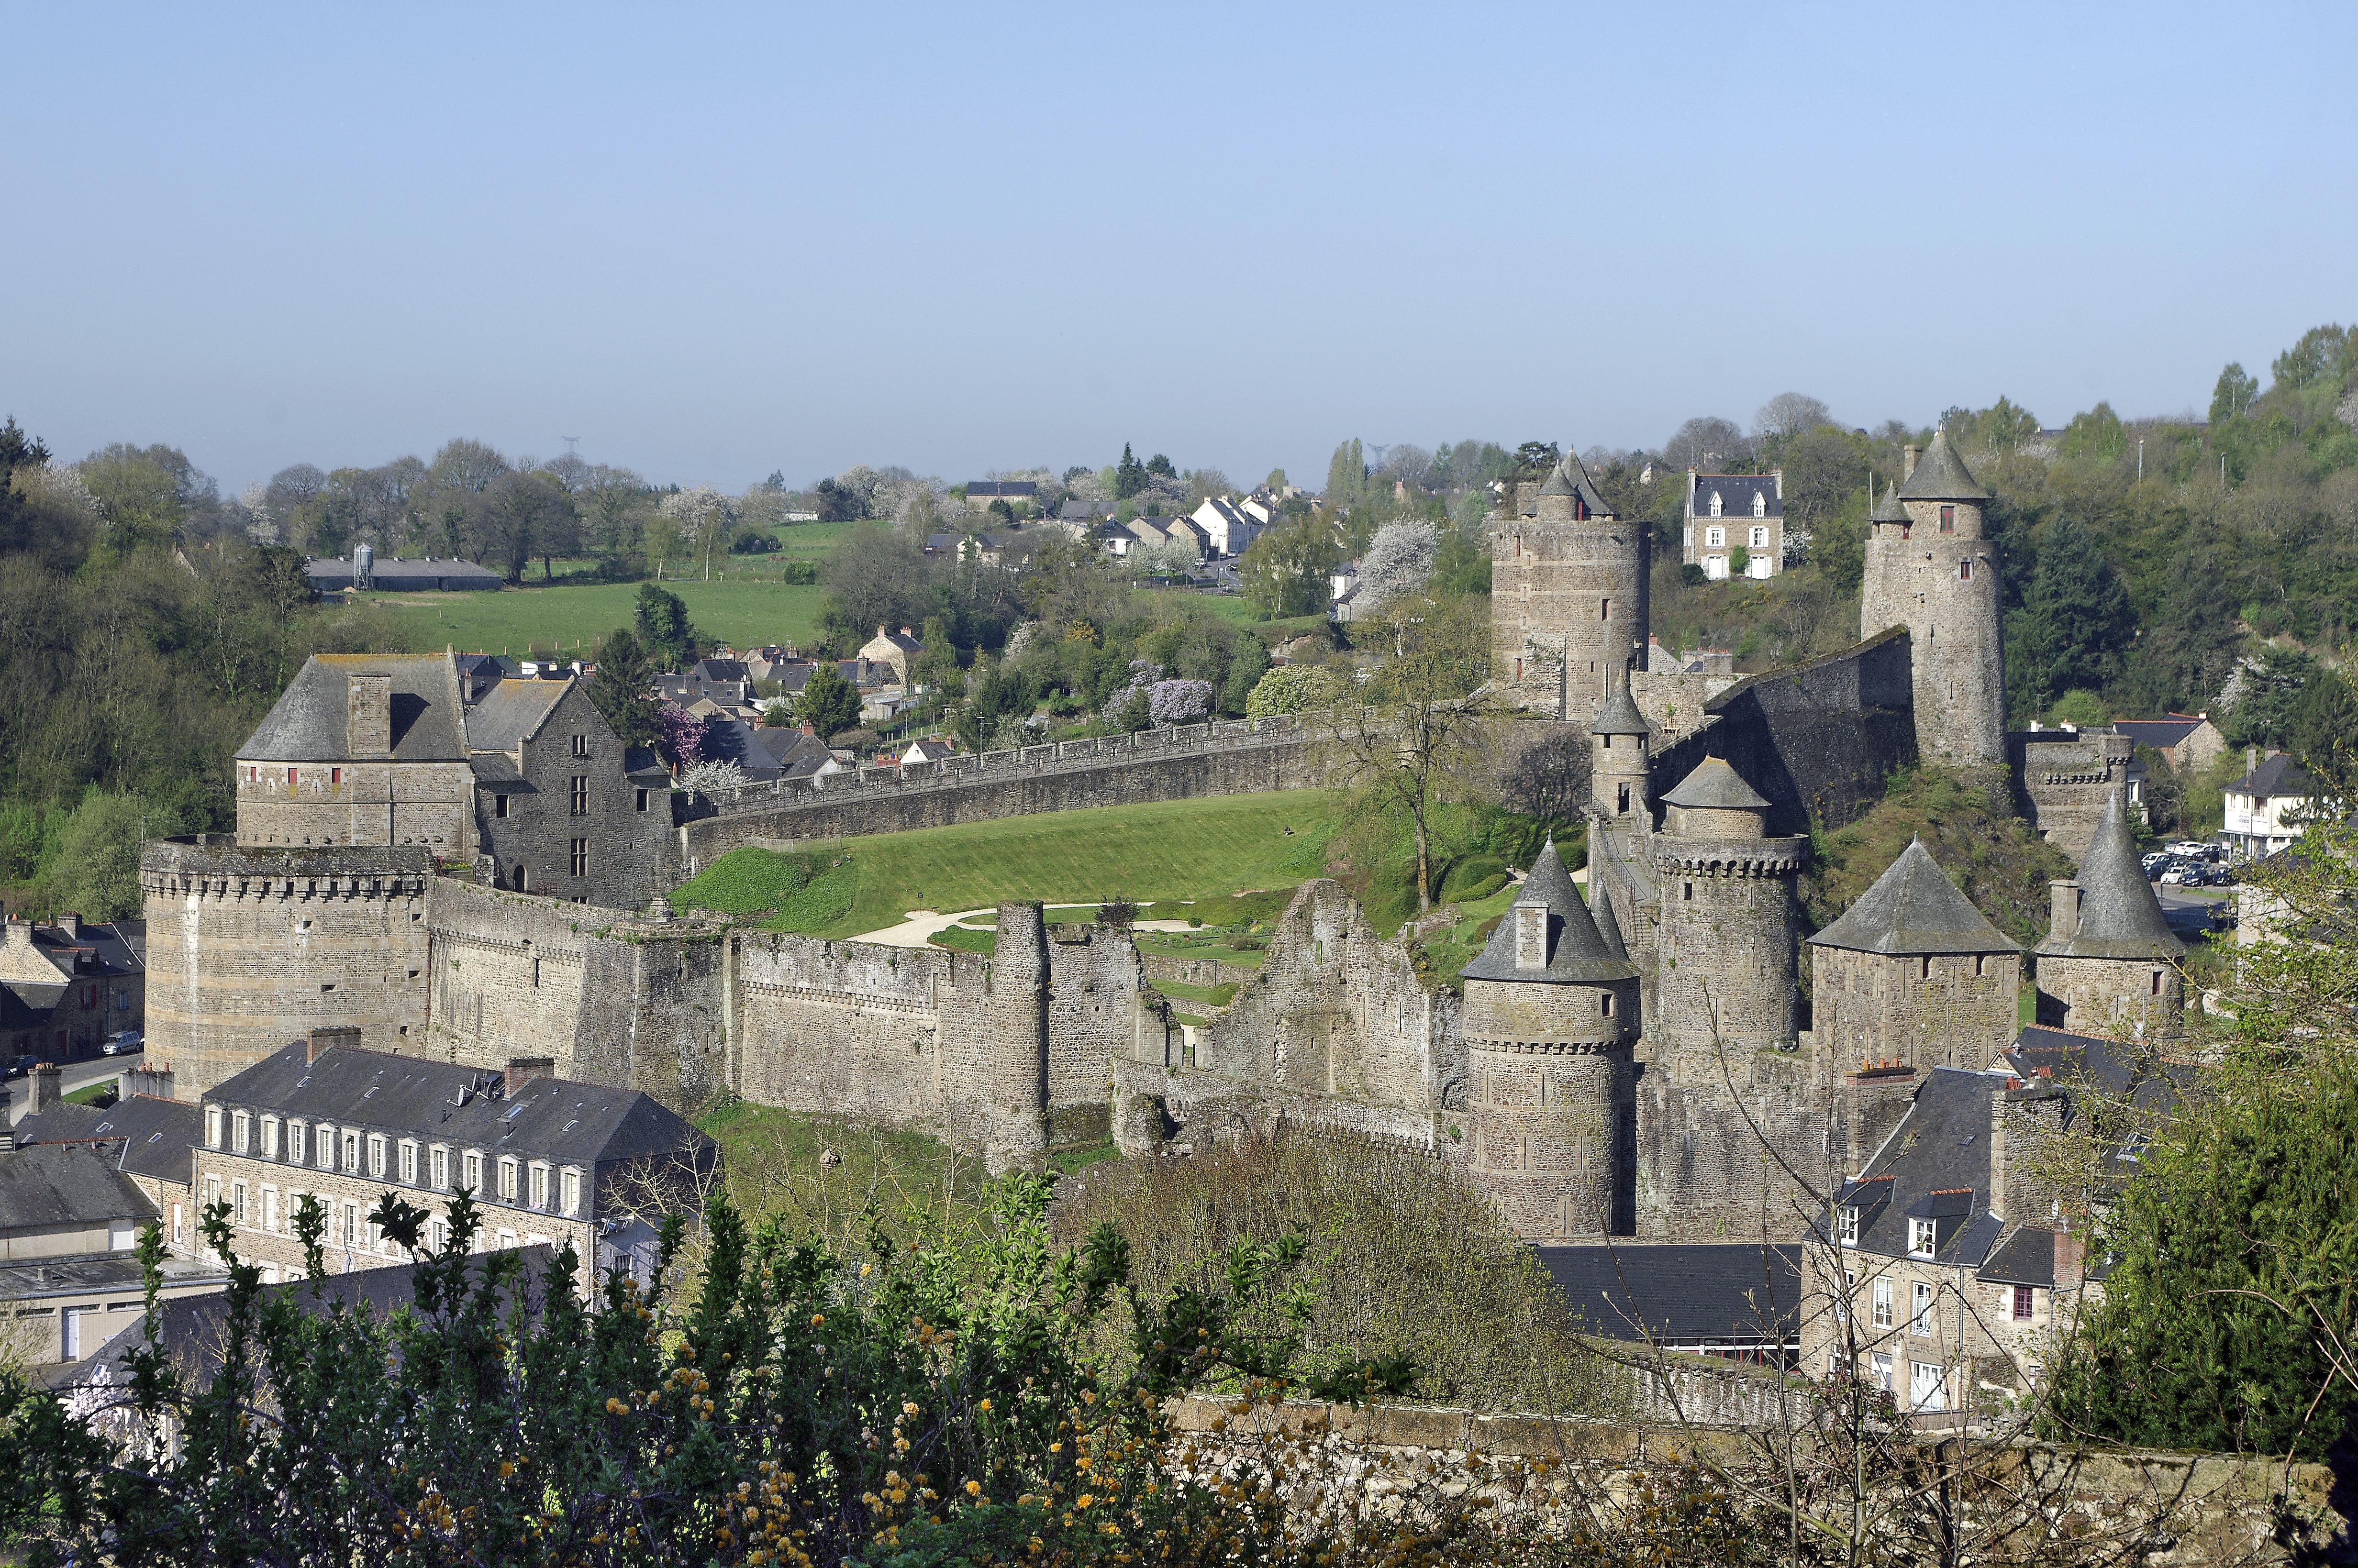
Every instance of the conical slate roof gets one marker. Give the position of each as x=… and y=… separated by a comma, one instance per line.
x=1941, y=475
x=1568, y=477
x=1607, y=925
x=1913, y=907
x=1620, y=714
x=1559, y=482
x=1577, y=951
x=1888, y=509
x=2119, y=915
x=1716, y=785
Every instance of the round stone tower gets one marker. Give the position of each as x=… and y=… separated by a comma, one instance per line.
x=2109, y=957
x=1724, y=972
x=1568, y=595
x=1551, y=1020
x=1931, y=568
x=1618, y=756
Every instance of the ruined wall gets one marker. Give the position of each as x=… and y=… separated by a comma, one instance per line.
x=2065, y=777
x=249, y=947
x=1242, y=757
x=1098, y=1012
x=1337, y=1009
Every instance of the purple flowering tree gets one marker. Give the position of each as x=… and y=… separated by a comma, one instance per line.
x=681, y=734
x=1178, y=701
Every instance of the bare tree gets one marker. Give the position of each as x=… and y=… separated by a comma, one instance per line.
x=1704, y=440
x=465, y=464
x=1789, y=414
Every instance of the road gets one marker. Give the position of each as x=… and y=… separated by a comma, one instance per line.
x=2188, y=914
x=72, y=1077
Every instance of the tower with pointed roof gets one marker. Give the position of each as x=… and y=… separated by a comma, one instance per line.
x=1568, y=603
x=1621, y=742
x=1724, y=969
x=2109, y=959
x=1913, y=976
x=1931, y=567
x=1551, y=1019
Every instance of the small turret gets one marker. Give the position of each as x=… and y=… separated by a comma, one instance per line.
x=2109, y=953
x=1618, y=756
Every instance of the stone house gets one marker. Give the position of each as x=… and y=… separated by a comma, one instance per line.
x=66, y=985
x=550, y=1161
x=2187, y=741
x=1229, y=529
x=148, y=1135
x=557, y=811
x=980, y=493
x=1728, y=512
x=894, y=650
x=2264, y=806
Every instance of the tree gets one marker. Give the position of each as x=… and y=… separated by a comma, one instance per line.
x=1398, y=561
x=2075, y=621
x=1293, y=689
x=620, y=691
x=1704, y=441
x=828, y=703
x=2323, y=354
x=837, y=502
x=1274, y=481
x=660, y=620
x=2234, y=394
x=2263, y=714
x=1789, y=414
x=1129, y=476
x=1161, y=465
x=465, y=464
x=1534, y=458
x=703, y=515
x=1288, y=571
x=1415, y=736
x=508, y=519
x=96, y=870
x=2321, y=732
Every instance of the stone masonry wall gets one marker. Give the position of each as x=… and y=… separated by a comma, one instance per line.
x=250, y=948
x=2099, y=996
x=2066, y=779
x=1702, y=1173
x=1099, y=1011
x=840, y=1028
x=1568, y=608
x=1930, y=1010
x=424, y=805
x=1944, y=588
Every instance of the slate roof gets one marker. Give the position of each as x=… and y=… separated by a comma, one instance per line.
x=2278, y=775
x=1684, y=1293
x=1577, y=952
x=2119, y=915
x=1735, y=493
x=511, y=713
x=147, y=1136
x=309, y=723
x=1941, y=475
x=2158, y=733
x=1913, y=907
x=719, y=669
x=1715, y=784
x=1570, y=478
x=66, y=1184
x=1002, y=489
x=1620, y=715
x=552, y=1118
x=1888, y=509
x=2027, y=1257
x=1942, y=1146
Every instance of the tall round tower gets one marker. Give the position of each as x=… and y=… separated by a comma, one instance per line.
x=2109, y=955
x=1550, y=1018
x=1568, y=602
x=1931, y=568
x=1724, y=967
x=1618, y=754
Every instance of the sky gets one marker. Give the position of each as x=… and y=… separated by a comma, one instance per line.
x=709, y=242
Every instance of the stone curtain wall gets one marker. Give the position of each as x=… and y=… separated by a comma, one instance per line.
x=250, y=948
x=1240, y=756
x=1702, y=1173
x=1927, y=1010
x=427, y=805
x=1099, y=1012
x=2065, y=780
x=841, y=1028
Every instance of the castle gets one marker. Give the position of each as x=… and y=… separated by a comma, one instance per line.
x=471, y=869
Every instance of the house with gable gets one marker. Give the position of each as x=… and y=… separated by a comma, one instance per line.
x=1727, y=513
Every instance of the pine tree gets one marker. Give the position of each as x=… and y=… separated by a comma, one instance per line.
x=619, y=690
x=2076, y=619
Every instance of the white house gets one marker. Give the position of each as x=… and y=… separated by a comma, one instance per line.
x=1230, y=525
x=1732, y=512
x=2259, y=803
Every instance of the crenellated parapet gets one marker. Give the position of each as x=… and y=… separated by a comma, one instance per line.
x=1731, y=858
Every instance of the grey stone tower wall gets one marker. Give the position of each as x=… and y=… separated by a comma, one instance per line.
x=1930, y=1010
x=248, y=949
x=2066, y=779
x=1552, y=1115
x=2099, y=996
x=1617, y=773
x=1723, y=949
x=1550, y=581
x=1703, y=1173
x=994, y=1073
x=1098, y=1012
x=425, y=805
x=1944, y=587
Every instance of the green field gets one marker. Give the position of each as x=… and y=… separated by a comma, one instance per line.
x=570, y=616
x=1167, y=850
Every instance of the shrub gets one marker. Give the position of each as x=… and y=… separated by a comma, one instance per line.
x=1469, y=873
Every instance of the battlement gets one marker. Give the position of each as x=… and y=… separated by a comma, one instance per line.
x=1730, y=857
x=215, y=866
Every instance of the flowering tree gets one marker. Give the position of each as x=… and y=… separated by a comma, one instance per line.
x=1399, y=558
x=702, y=516
x=712, y=776
x=1291, y=689
x=1178, y=701
x=681, y=734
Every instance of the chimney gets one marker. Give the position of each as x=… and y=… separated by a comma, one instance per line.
x=368, y=715
x=1906, y=463
x=2064, y=910
x=906, y=632
x=71, y=924
x=326, y=1035
x=1997, y=1153
x=41, y=1089
x=524, y=1069
x=2070, y=1258
x=151, y=1079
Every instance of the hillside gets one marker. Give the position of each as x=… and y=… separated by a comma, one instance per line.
x=2001, y=864
x=573, y=617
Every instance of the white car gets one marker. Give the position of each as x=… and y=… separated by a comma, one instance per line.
x=126, y=1043
x=2175, y=876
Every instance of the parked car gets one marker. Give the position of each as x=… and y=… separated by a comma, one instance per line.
x=19, y=1066
x=123, y=1043
x=2174, y=878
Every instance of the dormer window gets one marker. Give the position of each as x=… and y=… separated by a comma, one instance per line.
x=1716, y=507
x=1921, y=1236
x=1848, y=1227
x=1759, y=503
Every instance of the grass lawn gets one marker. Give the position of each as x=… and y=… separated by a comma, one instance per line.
x=570, y=616
x=1164, y=850
x=1232, y=607
x=770, y=1158
x=104, y=1089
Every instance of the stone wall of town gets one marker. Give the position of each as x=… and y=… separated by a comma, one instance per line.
x=1702, y=1172
x=251, y=947
x=2065, y=777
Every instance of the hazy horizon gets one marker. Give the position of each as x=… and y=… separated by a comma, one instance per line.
x=716, y=245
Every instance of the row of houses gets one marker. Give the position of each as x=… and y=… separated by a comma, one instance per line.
x=67, y=985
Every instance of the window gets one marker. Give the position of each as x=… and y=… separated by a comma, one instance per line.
x=1604, y=609
x=1759, y=538
x=1883, y=1371
x=377, y=1156
x=1964, y=571
x=1687, y=892
x=237, y=1203
x=473, y=1167
x=291, y=778
x=539, y=1189
x=1850, y=1226
x=352, y=1236
x=1714, y=537
x=578, y=800
x=1926, y=1388
x=353, y=1153
x=580, y=857
x=1608, y=1005
x=335, y=775
x=437, y=1235
x=1922, y=1234
x=1948, y=520
x=1715, y=507
x=1883, y=1304
x=1920, y=1318
x=2022, y=1299
x=438, y=1167
x=325, y=1140
x=270, y=1210
x=499, y=805
x=571, y=1189
x=508, y=1180
x=2156, y=983
x=409, y=1163
x=295, y=1143
x=241, y=1131
x=581, y=746
x=270, y=1137
x=1623, y=799
x=643, y=799
x=213, y=1126
x=179, y=1225
x=253, y=774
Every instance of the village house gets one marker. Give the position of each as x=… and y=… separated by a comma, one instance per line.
x=894, y=650
x=2187, y=741
x=551, y=1161
x=67, y=986
x=1227, y=527
x=1733, y=516
x=980, y=493
x=2265, y=805
x=147, y=1134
